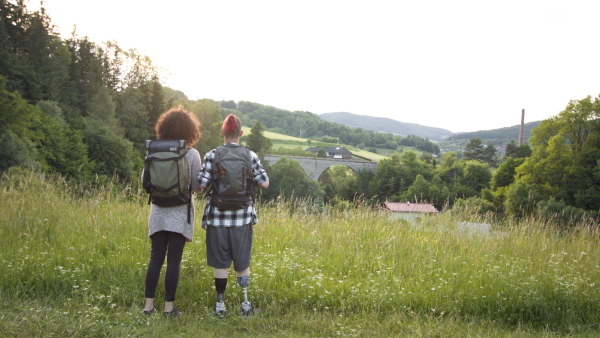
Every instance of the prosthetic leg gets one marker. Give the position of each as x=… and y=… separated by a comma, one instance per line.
x=220, y=287
x=247, y=307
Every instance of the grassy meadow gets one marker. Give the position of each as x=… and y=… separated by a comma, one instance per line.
x=73, y=263
x=291, y=142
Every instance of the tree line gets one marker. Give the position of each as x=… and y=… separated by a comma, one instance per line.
x=79, y=108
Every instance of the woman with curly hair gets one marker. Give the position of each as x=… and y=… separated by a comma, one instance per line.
x=168, y=227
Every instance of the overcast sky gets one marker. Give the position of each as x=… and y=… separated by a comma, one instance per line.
x=458, y=65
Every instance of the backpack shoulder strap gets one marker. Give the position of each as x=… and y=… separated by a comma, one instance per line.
x=214, y=171
x=250, y=176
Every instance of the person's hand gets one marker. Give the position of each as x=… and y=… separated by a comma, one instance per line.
x=187, y=240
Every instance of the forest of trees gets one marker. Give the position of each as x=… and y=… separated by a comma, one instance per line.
x=83, y=110
x=79, y=108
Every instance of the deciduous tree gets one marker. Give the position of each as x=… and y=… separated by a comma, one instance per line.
x=209, y=114
x=289, y=179
x=565, y=155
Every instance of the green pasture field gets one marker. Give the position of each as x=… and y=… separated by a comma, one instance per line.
x=276, y=136
x=291, y=142
x=73, y=263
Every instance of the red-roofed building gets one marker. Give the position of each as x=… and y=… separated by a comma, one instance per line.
x=409, y=211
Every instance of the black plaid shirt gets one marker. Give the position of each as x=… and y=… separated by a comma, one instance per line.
x=229, y=218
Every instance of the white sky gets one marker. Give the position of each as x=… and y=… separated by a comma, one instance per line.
x=458, y=65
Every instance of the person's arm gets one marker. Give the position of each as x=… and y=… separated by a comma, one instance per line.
x=260, y=175
x=204, y=176
x=263, y=185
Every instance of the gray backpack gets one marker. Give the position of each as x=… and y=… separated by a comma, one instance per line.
x=232, y=179
x=166, y=176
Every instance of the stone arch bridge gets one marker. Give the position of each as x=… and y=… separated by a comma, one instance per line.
x=314, y=166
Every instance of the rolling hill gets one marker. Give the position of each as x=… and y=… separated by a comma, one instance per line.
x=386, y=125
x=500, y=133
x=446, y=140
x=497, y=137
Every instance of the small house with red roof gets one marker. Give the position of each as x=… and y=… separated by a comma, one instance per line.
x=409, y=211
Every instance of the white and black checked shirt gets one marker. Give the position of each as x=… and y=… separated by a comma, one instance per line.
x=229, y=218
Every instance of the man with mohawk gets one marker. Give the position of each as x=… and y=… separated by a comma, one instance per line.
x=230, y=214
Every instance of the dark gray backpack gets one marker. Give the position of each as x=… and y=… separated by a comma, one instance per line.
x=166, y=176
x=232, y=179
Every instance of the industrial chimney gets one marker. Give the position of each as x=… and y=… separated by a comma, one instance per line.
x=522, y=130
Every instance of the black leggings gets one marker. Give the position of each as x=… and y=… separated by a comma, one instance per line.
x=164, y=242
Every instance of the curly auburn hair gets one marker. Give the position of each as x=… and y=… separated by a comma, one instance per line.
x=178, y=124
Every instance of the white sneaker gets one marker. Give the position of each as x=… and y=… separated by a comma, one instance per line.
x=247, y=307
x=220, y=308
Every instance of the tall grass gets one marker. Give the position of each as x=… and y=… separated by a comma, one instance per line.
x=73, y=261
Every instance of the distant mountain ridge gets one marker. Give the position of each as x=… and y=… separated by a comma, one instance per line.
x=497, y=137
x=511, y=132
x=386, y=125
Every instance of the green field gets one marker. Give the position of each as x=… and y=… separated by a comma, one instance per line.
x=276, y=136
x=291, y=142
x=74, y=261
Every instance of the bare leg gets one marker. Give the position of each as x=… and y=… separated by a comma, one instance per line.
x=168, y=306
x=149, y=304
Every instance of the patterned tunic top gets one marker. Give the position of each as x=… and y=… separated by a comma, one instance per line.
x=175, y=219
x=229, y=218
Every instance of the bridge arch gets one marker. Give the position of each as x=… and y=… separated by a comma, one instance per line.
x=314, y=166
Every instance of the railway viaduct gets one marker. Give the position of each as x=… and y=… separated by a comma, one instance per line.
x=314, y=166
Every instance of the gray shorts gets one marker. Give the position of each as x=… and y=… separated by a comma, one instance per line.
x=226, y=245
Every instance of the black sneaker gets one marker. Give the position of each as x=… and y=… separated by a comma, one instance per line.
x=151, y=312
x=173, y=313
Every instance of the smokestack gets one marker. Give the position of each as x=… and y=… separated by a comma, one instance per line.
x=522, y=130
